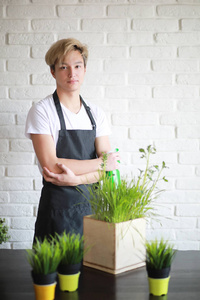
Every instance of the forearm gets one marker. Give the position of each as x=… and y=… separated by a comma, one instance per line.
x=82, y=167
x=88, y=178
x=68, y=178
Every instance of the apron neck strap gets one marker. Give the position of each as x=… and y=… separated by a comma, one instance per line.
x=87, y=108
x=59, y=110
x=60, y=113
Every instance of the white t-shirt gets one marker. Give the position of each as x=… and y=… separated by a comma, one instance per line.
x=43, y=119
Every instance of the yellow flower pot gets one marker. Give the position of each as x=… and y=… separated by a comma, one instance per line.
x=68, y=282
x=45, y=292
x=158, y=287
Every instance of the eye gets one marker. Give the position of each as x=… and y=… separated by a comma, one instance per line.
x=63, y=68
x=78, y=66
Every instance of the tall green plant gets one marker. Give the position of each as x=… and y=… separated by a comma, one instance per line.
x=159, y=254
x=148, y=179
x=72, y=248
x=45, y=256
x=128, y=200
x=4, y=237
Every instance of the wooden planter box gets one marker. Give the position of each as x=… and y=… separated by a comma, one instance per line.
x=115, y=248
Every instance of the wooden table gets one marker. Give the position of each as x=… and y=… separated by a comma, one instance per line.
x=16, y=282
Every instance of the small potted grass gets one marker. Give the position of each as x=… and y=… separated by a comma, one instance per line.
x=4, y=237
x=116, y=229
x=72, y=251
x=159, y=257
x=44, y=259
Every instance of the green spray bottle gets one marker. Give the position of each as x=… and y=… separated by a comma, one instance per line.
x=115, y=174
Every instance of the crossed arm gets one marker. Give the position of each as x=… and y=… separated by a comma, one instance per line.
x=71, y=172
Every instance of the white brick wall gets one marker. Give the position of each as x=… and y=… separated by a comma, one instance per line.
x=143, y=70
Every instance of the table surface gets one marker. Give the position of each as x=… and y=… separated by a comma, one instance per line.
x=16, y=282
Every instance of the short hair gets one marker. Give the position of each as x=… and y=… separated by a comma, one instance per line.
x=62, y=48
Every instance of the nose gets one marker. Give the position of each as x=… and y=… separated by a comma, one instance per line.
x=71, y=73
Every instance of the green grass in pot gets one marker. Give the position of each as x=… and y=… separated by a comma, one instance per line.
x=72, y=248
x=45, y=256
x=72, y=252
x=128, y=200
x=159, y=254
x=4, y=237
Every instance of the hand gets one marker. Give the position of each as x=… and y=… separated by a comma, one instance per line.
x=66, y=178
x=112, y=163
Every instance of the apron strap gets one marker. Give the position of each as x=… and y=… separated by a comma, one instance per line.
x=89, y=113
x=60, y=113
x=59, y=110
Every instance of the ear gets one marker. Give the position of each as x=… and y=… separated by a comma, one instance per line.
x=52, y=72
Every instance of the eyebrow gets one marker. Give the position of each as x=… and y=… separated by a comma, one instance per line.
x=77, y=62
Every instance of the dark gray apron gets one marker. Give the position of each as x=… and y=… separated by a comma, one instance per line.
x=63, y=208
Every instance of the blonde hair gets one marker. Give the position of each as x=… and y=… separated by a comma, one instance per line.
x=62, y=48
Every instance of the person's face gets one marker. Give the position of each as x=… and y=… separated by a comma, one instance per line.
x=70, y=72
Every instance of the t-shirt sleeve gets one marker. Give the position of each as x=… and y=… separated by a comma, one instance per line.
x=37, y=121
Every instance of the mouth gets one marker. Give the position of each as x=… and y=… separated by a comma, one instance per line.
x=72, y=81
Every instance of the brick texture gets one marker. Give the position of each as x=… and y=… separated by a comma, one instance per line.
x=143, y=70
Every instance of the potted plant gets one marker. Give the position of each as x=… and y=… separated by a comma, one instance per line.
x=159, y=257
x=44, y=259
x=72, y=250
x=4, y=237
x=116, y=229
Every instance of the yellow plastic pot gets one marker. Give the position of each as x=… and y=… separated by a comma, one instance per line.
x=45, y=292
x=158, y=287
x=68, y=282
